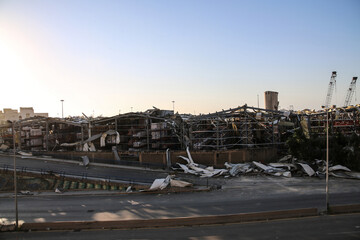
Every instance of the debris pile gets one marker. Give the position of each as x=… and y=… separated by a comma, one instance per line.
x=197, y=169
x=162, y=183
x=287, y=166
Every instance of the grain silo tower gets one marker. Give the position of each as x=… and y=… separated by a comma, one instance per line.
x=271, y=100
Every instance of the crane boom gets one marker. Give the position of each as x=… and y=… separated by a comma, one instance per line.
x=350, y=92
x=330, y=89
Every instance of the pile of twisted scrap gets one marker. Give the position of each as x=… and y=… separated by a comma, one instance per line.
x=287, y=166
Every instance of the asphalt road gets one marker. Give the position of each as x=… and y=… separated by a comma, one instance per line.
x=340, y=227
x=148, y=206
x=125, y=174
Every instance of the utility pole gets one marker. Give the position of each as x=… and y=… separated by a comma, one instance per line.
x=62, y=108
x=15, y=179
x=327, y=161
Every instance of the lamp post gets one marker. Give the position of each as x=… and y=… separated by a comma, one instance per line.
x=15, y=178
x=62, y=108
x=327, y=161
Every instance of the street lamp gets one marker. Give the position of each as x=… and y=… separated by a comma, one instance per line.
x=15, y=178
x=327, y=160
x=62, y=108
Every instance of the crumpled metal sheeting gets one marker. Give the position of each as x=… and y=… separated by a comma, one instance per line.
x=102, y=137
x=339, y=167
x=179, y=183
x=272, y=170
x=286, y=167
x=307, y=169
x=196, y=169
x=162, y=183
x=235, y=169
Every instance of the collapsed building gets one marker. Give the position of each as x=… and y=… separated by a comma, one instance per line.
x=155, y=129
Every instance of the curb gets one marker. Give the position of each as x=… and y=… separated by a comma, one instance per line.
x=170, y=222
x=351, y=208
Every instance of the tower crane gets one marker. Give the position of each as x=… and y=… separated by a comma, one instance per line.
x=330, y=89
x=350, y=92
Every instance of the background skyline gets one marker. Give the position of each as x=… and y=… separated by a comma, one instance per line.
x=103, y=57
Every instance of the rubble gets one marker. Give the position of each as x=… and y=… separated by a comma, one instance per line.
x=197, y=169
x=86, y=161
x=339, y=167
x=26, y=193
x=309, y=171
x=162, y=183
x=235, y=169
x=24, y=153
x=4, y=147
x=286, y=167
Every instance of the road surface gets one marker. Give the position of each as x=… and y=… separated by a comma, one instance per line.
x=339, y=227
x=49, y=208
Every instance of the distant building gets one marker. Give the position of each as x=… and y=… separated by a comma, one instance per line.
x=9, y=114
x=271, y=100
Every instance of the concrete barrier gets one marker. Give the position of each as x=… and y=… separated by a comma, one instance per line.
x=351, y=208
x=171, y=222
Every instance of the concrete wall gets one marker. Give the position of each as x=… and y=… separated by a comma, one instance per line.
x=213, y=158
x=158, y=159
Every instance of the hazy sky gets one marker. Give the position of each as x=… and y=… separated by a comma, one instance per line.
x=111, y=56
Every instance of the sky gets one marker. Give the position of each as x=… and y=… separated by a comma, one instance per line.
x=111, y=57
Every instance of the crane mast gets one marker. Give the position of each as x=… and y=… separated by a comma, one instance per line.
x=350, y=92
x=330, y=89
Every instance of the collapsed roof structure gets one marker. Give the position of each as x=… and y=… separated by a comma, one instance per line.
x=155, y=129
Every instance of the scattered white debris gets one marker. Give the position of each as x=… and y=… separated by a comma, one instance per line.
x=309, y=171
x=179, y=183
x=26, y=193
x=339, y=167
x=287, y=174
x=24, y=153
x=160, y=183
x=85, y=162
x=196, y=169
x=261, y=166
x=286, y=167
x=235, y=169
x=57, y=190
x=286, y=158
x=4, y=147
